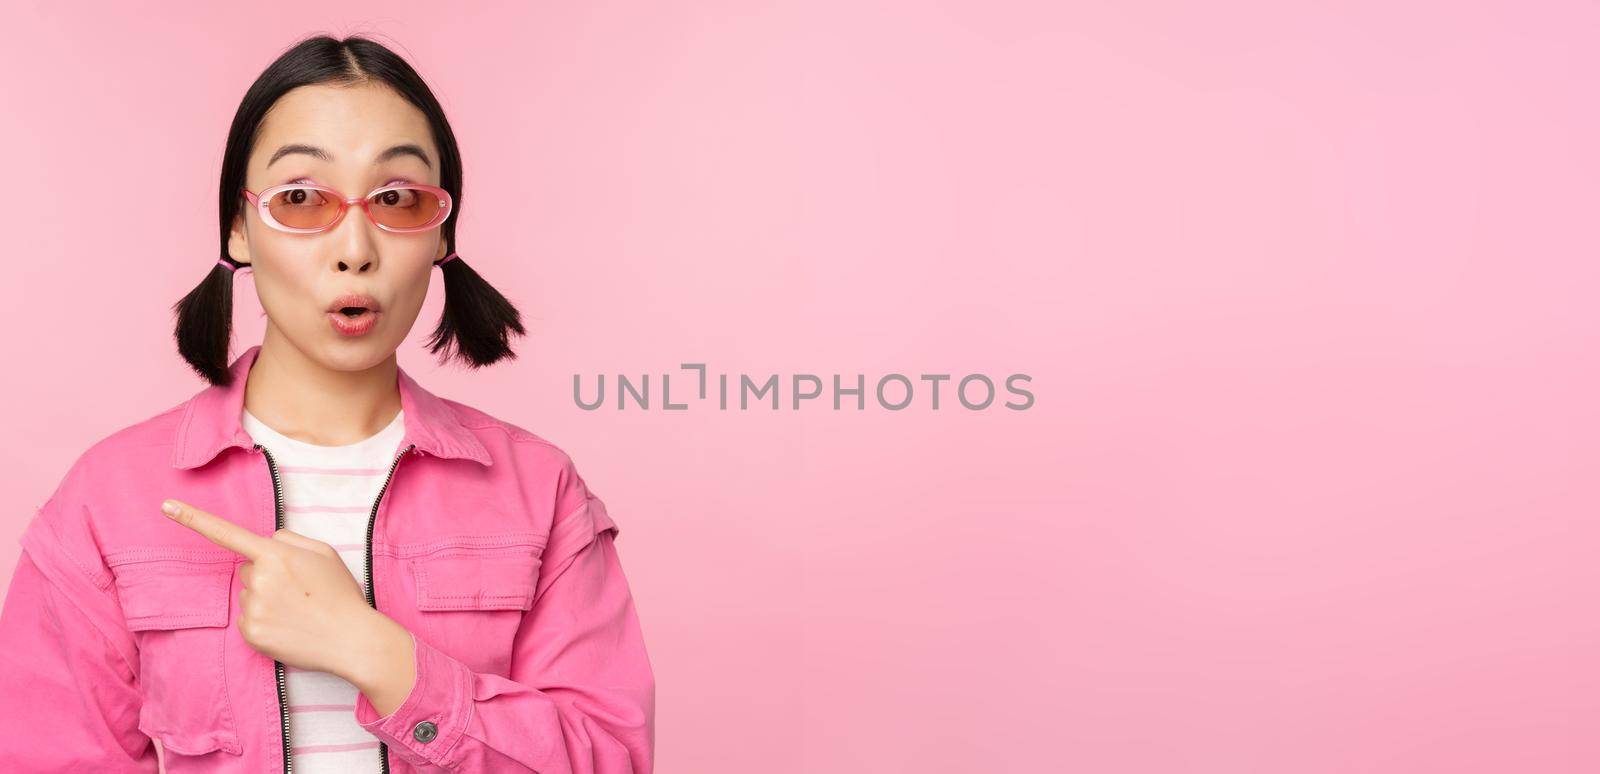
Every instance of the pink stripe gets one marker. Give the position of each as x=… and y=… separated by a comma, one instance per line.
x=320, y=707
x=322, y=748
x=327, y=509
x=313, y=469
x=349, y=546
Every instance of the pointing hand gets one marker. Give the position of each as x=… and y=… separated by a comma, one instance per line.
x=300, y=604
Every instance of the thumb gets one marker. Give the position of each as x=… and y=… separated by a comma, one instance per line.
x=301, y=541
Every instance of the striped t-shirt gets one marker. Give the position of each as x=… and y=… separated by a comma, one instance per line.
x=328, y=493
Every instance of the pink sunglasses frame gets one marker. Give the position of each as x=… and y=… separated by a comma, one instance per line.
x=259, y=201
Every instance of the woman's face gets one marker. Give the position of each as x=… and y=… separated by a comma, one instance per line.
x=299, y=276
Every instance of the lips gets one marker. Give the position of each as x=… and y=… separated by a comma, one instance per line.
x=353, y=304
x=353, y=314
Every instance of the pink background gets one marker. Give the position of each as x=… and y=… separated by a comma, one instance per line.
x=1307, y=293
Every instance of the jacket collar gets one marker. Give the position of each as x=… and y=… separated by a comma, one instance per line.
x=212, y=421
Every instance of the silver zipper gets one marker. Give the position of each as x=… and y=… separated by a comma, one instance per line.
x=277, y=507
x=372, y=600
x=283, y=684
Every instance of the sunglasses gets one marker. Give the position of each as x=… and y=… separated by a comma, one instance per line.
x=305, y=208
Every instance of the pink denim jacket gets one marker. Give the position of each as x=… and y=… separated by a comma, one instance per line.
x=485, y=543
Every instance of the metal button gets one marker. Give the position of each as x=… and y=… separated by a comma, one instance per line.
x=425, y=731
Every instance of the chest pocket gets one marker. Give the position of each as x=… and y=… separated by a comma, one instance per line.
x=177, y=602
x=471, y=594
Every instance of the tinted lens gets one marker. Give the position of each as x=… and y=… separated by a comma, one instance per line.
x=405, y=207
x=303, y=207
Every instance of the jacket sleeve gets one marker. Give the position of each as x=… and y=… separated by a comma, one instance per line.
x=69, y=696
x=580, y=698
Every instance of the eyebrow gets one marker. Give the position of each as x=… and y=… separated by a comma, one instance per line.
x=404, y=149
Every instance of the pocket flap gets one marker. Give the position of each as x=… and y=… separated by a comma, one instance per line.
x=173, y=590
x=477, y=579
x=197, y=742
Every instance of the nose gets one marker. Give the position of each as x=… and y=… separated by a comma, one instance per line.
x=358, y=236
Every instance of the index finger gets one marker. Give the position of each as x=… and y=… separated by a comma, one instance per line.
x=217, y=529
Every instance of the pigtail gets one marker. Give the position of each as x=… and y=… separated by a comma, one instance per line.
x=477, y=319
x=205, y=323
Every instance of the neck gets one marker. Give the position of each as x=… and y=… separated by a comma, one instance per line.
x=309, y=401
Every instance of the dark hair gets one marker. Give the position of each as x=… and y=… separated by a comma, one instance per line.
x=477, y=319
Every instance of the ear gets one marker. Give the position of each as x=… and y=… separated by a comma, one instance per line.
x=238, y=242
